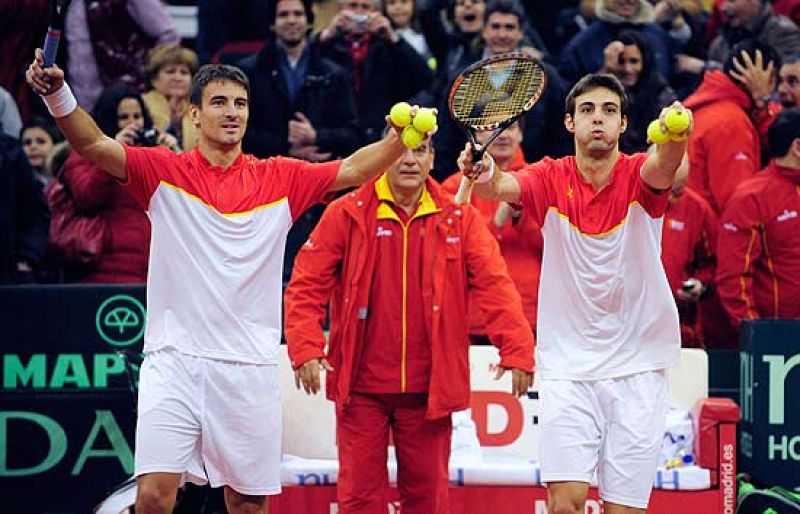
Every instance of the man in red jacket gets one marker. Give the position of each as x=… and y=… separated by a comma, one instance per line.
x=397, y=259
x=759, y=240
x=725, y=147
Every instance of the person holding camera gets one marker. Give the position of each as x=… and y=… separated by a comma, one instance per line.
x=120, y=113
x=384, y=67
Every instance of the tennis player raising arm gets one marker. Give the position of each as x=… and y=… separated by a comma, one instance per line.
x=607, y=322
x=209, y=403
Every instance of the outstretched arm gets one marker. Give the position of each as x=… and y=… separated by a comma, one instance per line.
x=83, y=134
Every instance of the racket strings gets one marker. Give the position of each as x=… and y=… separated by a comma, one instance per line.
x=493, y=93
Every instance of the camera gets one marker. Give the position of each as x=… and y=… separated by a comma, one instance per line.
x=146, y=137
x=360, y=20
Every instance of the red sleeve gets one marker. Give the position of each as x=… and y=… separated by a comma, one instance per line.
x=738, y=247
x=145, y=168
x=306, y=183
x=534, y=187
x=314, y=277
x=732, y=158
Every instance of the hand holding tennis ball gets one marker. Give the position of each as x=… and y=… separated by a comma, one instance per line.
x=676, y=121
x=400, y=114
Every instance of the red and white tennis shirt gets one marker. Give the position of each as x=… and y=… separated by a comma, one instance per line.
x=217, y=248
x=605, y=306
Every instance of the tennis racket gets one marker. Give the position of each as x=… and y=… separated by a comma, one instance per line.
x=58, y=12
x=492, y=94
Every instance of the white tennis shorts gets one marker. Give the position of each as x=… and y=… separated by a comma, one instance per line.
x=613, y=426
x=211, y=420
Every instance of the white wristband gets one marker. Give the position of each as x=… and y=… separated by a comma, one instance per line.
x=487, y=175
x=62, y=102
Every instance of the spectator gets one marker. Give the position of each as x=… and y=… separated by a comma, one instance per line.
x=759, y=240
x=502, y=32
x=725, y=147
x=120, y=113
x=108, y=42
x=401, y=14
x=38, y=137
x=519, y=236
x=302, y=103
x=10, y=122
x=584, y=53
x=169, y=70
x=448, y=45
x=384, y=68
x=397, y=358
x=630, y=58
x=754, y=19
x=688, y=252
x=24, y=217
x=789, y=82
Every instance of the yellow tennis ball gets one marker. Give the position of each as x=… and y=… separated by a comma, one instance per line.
x=411, y=137
x=424, y=120
x=400, y=114
x=655, y=134
x=676, y=121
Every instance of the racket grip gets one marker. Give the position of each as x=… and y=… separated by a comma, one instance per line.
x=51, y=46
x=464, y=191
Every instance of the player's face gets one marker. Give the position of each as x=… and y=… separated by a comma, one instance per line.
x=223, y=116
x=631, y=65
x=502, y=33
x=410, y=171
x=291, y=23
x=597, y=121
x=129, y=112
x=400, y=12
x=789, y=85
x=173, y=79
x=37, y=144
x=505, y=146
x=468, y=15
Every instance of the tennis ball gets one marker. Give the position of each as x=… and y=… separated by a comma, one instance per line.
x=655, y=134
x=411, y=137
x=400, y=114
x=676, y=121
x=425, y=120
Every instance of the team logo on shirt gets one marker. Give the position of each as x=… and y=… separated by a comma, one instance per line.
x=383, y=232
x=731, y=227
x=787, y=215
x=677, y=225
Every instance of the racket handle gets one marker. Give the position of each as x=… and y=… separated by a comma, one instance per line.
x=51, y=46
x=464, y=191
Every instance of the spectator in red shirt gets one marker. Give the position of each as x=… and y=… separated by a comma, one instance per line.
x=397, y=260
x=759, y=240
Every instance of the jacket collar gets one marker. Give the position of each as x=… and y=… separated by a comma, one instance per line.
x=384, y=192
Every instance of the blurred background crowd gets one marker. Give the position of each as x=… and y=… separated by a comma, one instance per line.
x=323, y=74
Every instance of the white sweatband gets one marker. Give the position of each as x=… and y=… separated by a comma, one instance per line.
x=487, y=175
x=62, y=102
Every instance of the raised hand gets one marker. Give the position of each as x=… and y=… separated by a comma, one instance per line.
x=43, y=81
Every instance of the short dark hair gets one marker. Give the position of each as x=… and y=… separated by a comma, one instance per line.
x=504, y=7
x=792, y=58
x=750, y=47
x=213, y=72
x=596, y=81
x=783, y=131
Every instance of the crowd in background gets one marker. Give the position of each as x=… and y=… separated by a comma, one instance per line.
x=320, y=88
